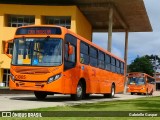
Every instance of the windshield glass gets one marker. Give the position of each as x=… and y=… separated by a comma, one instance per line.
x=136, y=81
x=37, y=51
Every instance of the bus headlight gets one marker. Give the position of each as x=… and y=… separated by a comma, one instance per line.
x=51, y=79
x=12, y=77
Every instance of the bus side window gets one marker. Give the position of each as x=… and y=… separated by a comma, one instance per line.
x=101, y=59
x=117, y=66
x=70, y=51
x=84, y=56
x=122, y=68
x=108, y=62
x=93, y=52
x=113, y=64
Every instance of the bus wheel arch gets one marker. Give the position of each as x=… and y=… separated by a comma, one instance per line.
x=85, y=95
x=113, y=89
x=80, y=90
x=112, y=92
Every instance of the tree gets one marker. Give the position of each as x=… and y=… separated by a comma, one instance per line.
x=155, y=61
x=153, y=57
x=142, y=64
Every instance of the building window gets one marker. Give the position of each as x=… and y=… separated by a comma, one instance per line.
x=6, y=76
x=64, y=21
x=20, y=20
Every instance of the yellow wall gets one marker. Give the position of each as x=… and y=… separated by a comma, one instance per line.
x=83, y=27
x=79, y=24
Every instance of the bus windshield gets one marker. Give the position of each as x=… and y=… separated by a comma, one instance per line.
x=136, y=81
x=37, y=51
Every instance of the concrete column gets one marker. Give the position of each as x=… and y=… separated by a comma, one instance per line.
x=110, y=25
x=125, y=59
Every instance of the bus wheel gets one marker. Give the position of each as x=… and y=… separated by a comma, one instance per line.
x=111, y=94
x=132, y=93
x=86, y=96
x=151, y=93
x=40, y=95
x=79, y=92
x=146, y=92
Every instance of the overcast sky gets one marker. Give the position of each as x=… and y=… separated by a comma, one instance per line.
x=140, y=43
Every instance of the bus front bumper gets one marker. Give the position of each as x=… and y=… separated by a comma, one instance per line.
x=142, y=90
x=55, y=86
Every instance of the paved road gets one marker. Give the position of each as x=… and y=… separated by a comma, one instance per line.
x=10, y=102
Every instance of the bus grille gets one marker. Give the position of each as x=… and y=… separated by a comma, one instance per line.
x=32, y=70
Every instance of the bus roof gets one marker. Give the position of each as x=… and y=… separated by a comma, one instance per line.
x=136, y=73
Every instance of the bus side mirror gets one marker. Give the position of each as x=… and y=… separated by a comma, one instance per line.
x=70, y=49
x=6, y=49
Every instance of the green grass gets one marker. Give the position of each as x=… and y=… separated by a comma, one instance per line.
x=147, y=104
x=141, y=104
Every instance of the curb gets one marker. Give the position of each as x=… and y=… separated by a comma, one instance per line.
x=8, y=91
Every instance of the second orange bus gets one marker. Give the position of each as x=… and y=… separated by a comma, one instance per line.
x=140, y=83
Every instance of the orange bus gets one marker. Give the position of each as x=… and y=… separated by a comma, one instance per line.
x=140, y=83
x=50, y=59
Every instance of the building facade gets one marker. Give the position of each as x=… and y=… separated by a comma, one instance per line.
x=13, y=16
x=157, y=78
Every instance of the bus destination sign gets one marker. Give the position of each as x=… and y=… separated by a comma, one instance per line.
x=38, y=31
x=43, y=32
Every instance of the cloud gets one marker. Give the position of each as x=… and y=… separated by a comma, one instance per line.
x=144, y=43
x=101, y=39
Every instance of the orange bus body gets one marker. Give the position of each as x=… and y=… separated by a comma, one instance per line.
x=93, y=79
x=140, y=83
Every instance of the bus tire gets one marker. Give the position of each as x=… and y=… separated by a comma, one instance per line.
x=40, y=95
x=86, y=96
x=111, y=94
x=146, y=92
x=79, y=92
x=132, y=93
x=151, y=93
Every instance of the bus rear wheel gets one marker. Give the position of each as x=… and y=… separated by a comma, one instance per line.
x=79, y=92
x=151, y=93
x=40, y=95
x=146, y=93
x=132, y=93
x=139, y=93
x=111, y=94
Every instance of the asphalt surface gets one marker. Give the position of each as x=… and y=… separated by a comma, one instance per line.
x=9, y=102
